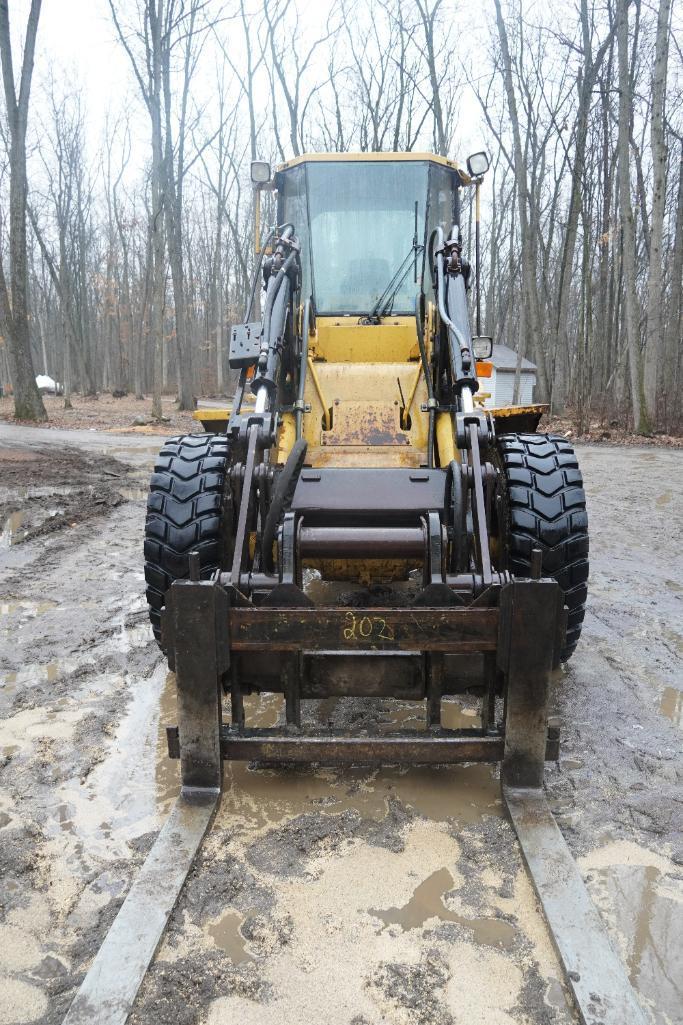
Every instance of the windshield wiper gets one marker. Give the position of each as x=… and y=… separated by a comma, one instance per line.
x=384, y=304
x=386, y=300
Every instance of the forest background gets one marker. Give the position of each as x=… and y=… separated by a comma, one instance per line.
x=126, y=209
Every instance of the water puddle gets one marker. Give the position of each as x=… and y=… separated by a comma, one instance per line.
x=31, y=608
x=134, y=635
x=554, y=995
x=671, y=705
x=16, y=527
x=455, y=717
x=13, y=529
x=427, y=903
x=12, y=682
x=264, y=796
x=130, y=791
x=647, y=910
x=225, y=933
x=134, y=494
x=166, y=770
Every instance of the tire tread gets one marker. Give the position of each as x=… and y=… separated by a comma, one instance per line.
x=184, y=507
x=547, y=510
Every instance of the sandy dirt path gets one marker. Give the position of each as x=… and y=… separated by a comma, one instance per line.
x=354, y=897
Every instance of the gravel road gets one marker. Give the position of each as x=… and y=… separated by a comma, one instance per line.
x=349, y=897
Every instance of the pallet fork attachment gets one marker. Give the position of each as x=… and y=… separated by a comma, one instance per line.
x=203, y=627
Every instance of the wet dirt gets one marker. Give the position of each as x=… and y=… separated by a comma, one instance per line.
x=52, y=489
x=427, y=902
x=352, y=896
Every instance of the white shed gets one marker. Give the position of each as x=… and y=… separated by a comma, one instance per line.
x=500, y=386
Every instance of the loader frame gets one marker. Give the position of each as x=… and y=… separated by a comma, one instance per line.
x=444, y=511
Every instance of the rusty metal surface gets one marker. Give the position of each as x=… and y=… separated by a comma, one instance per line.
x=199, y=612
x=365, y=423
x=107, y=993
x=366, y=384
x=363, y=674
x=595, y=973
x=437, y=747
x=506, y=412
x=529, y=610
x=518, y=419
x=445, y=629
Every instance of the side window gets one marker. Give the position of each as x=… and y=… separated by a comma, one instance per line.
x=440, y=212
x=295, y=209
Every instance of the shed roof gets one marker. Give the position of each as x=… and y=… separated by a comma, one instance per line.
x=505, y=358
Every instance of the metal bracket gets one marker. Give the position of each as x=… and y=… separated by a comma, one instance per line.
x=245, y=344
x=484, y=424
x=200, y=612
x=529, y=610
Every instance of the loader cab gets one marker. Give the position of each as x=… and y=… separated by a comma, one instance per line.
x=364, y=221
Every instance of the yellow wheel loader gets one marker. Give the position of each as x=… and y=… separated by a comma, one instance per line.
x=450, y=538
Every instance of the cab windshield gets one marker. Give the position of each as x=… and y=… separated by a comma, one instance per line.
x=362, y=224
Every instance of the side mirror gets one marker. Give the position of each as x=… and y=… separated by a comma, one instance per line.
x=260, y=172
x=478, y=164
x=482, y=346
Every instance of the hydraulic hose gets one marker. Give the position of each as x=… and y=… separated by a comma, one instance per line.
x=257, y=275
x=462, y=357
x=264, y=376
x=428, y=382
x=303, y=366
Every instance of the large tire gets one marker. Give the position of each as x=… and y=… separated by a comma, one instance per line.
x=546, y=509
x=186, y=512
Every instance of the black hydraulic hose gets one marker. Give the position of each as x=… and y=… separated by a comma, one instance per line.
x=462, y=359
x=303, y=367
x=257, y=276
x=283, y=493
x=286, y=230
x=274, y=286
x=428, y=382
x=277, y=300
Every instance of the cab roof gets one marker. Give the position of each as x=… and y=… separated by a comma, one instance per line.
x=374, y=157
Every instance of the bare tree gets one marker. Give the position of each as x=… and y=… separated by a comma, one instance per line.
x=148, y=70
x=530, y=287
x=655, y=291
x=631, y=301
x=14, y=303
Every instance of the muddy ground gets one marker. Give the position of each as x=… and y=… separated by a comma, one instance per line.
x=354, y=897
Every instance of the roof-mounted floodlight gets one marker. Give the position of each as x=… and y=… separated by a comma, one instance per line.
x=260, y=172
x=478, y=164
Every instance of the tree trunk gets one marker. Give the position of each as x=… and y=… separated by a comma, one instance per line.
x=529, y=285
x=14, y=312
x=628, y=234
x=675, y=322
x=653, y=345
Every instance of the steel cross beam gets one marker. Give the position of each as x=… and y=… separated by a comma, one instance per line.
x=108, y=992
x=595, y=973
